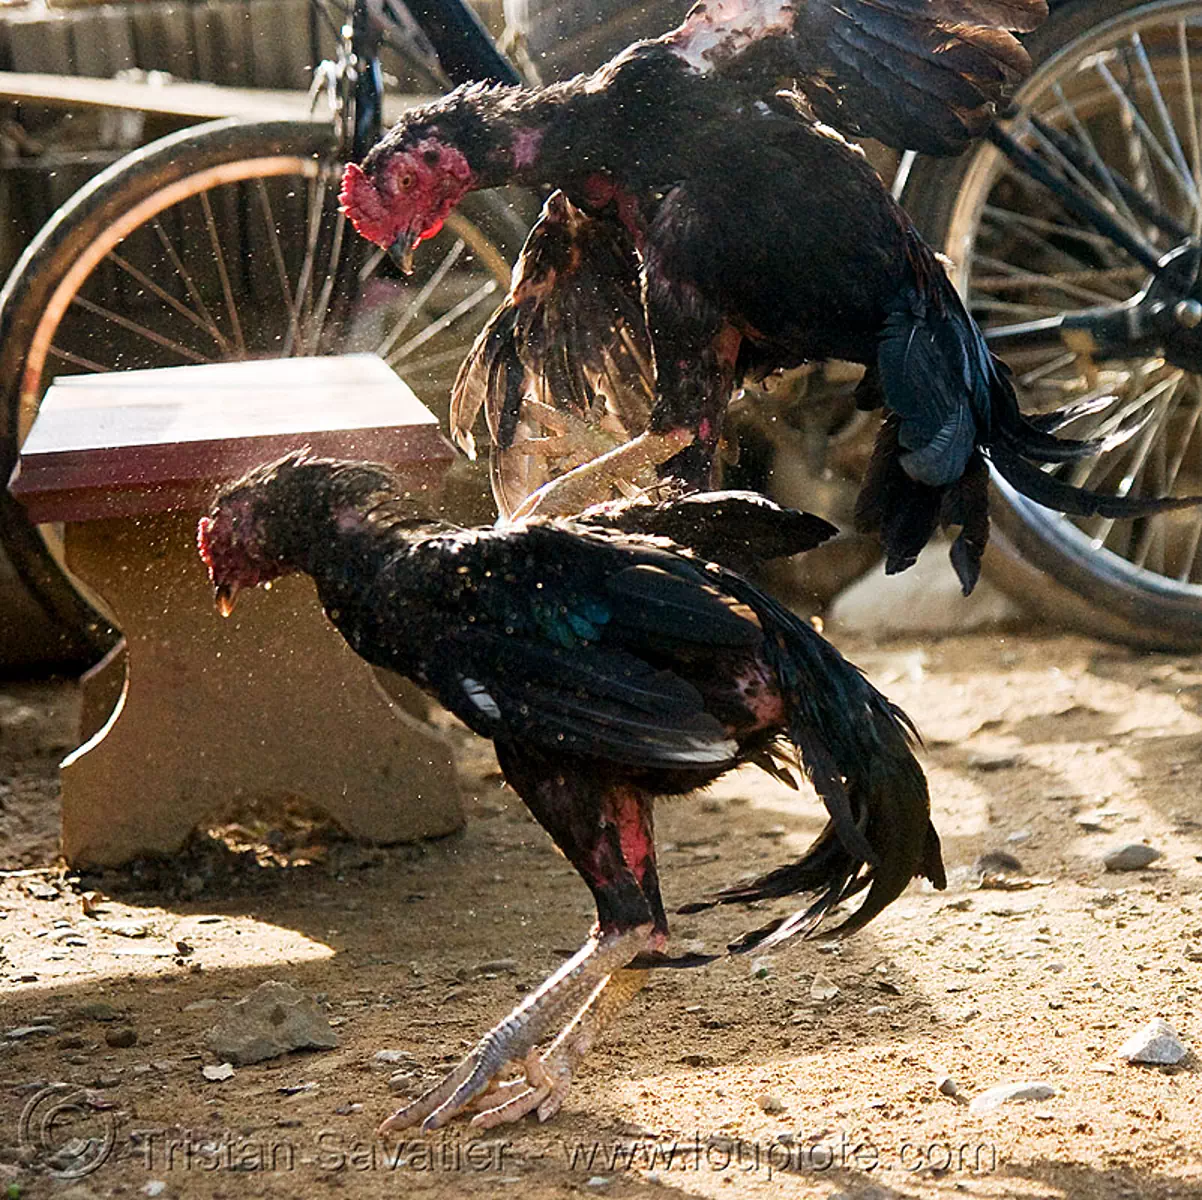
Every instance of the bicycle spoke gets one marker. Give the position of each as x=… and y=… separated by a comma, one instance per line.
x=1074, y=175
x=1133, y=200
x=1038, y=225
x=277, y=255
x=1184, y=439
x=1141, y=126
x=131, y=326
x=1081, y=206
x=368, y=269
x=452, y=315
x=1013, y=308
x=1166, y=121
x=431, y=362
x=419, y=301
x=1059, y=362
x=321, y=310
x=1134, y=469
x=317, y=200
x=167, y=298
x=1091, y=151
x=194, y=293
x=219, y=258
x=76, y=360
x=1191, y=117
x=1017, y=277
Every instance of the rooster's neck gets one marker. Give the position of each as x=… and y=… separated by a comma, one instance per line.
x=623, y=122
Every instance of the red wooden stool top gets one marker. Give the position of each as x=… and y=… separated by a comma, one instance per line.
x=133, y=442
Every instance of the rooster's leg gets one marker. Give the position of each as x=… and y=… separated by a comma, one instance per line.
x=556, y=1004
x=549, y=1076
x=591, y=483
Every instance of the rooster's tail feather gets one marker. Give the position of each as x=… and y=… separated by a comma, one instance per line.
x=855, y=747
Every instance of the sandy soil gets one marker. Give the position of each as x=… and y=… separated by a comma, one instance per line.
x=730, y=1081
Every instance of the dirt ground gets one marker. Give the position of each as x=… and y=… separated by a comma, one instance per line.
x=740, y=1079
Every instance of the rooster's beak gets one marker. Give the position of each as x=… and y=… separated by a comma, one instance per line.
x=401, y=251
x=226, y=594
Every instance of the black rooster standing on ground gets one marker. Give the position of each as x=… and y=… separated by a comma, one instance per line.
x=710, y=229
x=609, y=667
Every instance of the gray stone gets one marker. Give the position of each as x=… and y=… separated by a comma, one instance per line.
x=997, y=862
x=389, y=1058
x=1006, y=1093
x=21, y=1032
x=98, y=1010
x=990, y=761
x=1132, y=857
x=823, y=989
x=497, y=966
x=1156, y=1043
x=274, y=1019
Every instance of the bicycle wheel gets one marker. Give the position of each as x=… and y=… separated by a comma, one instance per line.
x=224, y=242
x=1116, y=83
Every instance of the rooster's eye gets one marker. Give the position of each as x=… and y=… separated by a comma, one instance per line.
x=405, y=182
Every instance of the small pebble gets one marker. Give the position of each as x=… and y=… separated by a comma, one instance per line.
x=496, y=966
x=1156, y=1043
x=993, y=762
x=947, y=1086
x=98, y=1010
x=997, y=862
x=1132, y=857
x=129, y=929
x=121, y=1039
x=217, y=1073
x=21, y=1032
x=200, y=1005
x=156, y=1187
x=392, y=1057
x=771, y=1104
x=40, y=890
x=1006, y=1093
x=823, y=989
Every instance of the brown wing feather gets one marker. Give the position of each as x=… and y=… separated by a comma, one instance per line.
x=567, y=351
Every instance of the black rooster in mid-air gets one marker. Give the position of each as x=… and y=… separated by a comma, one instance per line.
x=711, y=229
x=609, y=666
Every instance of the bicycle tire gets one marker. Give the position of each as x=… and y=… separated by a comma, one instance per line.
x=1039, y=557
x=211, y=167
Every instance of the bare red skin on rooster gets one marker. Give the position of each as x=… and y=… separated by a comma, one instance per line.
x=610, y=667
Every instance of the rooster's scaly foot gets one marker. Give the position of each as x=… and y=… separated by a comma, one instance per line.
x=572, y=991
x=591, y=483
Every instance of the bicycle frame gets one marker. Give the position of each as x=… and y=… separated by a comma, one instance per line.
x=466, y=53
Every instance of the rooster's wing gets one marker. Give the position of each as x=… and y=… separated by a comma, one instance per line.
x=923, y=75
x=567, y=353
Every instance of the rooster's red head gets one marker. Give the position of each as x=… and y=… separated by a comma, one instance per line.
x=232, y=541
x=403, y=192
